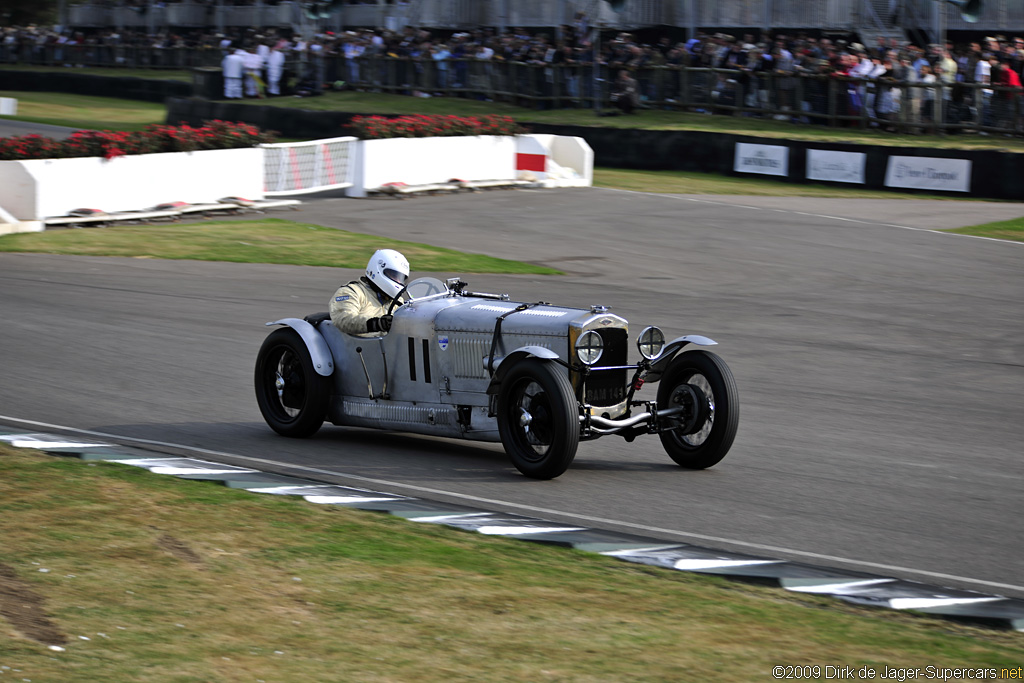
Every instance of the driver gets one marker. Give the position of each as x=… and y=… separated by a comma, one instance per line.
x=361, y=306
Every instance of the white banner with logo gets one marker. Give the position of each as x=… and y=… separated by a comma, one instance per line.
x=764, y=159
x=929, y=173
x=837, y=167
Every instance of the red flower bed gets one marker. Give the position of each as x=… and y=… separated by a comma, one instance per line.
x=109, y=144
x=426, y=126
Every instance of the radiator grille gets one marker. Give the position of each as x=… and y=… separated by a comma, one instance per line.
x=608, y=387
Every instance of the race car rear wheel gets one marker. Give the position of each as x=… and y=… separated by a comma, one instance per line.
x=291, y=395
x=701, y=382
x=538, y=419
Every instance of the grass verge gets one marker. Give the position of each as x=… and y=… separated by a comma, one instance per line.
x=86, y=111
x=1003, y=230
x=152, y=578
x=270, y=240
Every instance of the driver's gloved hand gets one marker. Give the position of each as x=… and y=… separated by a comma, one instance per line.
x=381, y=324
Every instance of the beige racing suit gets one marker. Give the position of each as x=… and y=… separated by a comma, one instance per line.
x=355, y=303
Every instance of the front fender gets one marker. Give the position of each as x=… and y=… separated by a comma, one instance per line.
x=671, y=349
x=323, y=361
x=504, y=364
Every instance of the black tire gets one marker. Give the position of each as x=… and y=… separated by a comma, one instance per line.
x=291, y=395
x=538, y=419
x=706, y=376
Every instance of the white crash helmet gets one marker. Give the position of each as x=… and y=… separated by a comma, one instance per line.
x=388, y=270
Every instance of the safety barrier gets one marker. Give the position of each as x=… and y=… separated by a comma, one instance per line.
x=471, y=161
x=38, y=189
x=301, y=167
x=9, y=224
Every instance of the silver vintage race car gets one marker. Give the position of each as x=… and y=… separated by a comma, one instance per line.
x=537, y=377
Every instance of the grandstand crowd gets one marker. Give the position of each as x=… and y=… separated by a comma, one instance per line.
x=977, y=82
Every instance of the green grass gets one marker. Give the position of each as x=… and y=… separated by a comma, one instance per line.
x=1003, y=230
x=86, y=111
x=177, y=580
x=270, y=240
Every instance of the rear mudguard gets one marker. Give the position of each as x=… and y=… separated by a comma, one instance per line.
x=323, y=361
x=659, y=366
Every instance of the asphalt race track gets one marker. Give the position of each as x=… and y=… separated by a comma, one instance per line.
x=879, y=367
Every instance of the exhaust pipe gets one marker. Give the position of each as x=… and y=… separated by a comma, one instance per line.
x=605, y=426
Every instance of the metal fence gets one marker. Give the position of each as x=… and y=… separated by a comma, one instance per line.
x=118, y=56
x=825, y=99
x=813, y=99
x=301, y=167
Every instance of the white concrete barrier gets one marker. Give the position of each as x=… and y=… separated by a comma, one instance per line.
x=555, y=160
x=43, y=188
x=552, y=160
x=425, y=161
x=8, y=106
x=9, y=224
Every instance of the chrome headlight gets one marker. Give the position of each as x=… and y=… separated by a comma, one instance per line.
x=651, y=342
x=589, y=347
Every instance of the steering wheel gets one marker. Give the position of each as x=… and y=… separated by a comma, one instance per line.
x=417, y=289
x=397, y=297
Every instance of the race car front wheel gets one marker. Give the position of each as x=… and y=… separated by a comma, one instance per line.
x=291, y=395
x=538, y=419
x=702, y=383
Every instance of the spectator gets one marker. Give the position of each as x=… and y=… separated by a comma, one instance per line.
x=275, y=69
x=624, y=93
x=233, y=67
x=253, y=67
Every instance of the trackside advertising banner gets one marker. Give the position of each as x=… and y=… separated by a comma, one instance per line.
x=929, y=173
x=836, y=167
x=763, y=159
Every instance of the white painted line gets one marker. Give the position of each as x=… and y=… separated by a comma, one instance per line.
x=697, y=565
x=821, y=557
x=286, y=490
x=33, y=441
x=444, y=519
x=175, y=466
x=154, y=462
x=178, y=471
x=922, y=603
x=846, y=587
x=635, y=552
x=347, y=500
x=525, y=530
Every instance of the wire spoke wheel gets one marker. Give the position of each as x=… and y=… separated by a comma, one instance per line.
x=532, y=412
x=538, y=419
x=289, y=384
x=702, y=384
x=291, y=395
